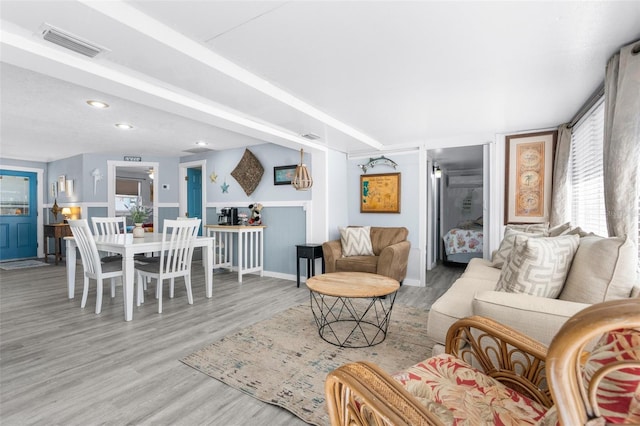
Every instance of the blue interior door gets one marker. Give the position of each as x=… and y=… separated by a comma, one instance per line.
x=194, y=195
x=18, y=215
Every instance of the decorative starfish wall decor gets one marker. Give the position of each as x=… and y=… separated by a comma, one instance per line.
x=225, y=187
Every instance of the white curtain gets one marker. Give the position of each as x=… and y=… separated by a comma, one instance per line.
x=622, y=141
x=559, y=191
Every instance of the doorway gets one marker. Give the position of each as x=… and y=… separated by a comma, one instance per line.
x=18, y=215
x=193, y=194
x=457, y=194
x=138, y=184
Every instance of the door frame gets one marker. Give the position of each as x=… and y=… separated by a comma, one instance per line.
x=182, y=188
x=39, y=201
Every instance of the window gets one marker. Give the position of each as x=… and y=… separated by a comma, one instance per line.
x=585, y=172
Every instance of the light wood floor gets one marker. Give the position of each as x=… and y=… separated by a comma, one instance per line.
x=62, y=365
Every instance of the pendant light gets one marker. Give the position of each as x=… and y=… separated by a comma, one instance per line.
x=302, y=180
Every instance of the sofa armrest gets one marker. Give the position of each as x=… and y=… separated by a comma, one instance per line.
x=393, y=260
x=537, y=317
x=362, y=393
x=331, y=251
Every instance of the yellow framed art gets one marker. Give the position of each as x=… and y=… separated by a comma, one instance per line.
x=380, y=193
x=529, y=168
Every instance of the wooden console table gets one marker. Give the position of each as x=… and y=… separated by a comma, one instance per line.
x=249, y=252
x=57, y=231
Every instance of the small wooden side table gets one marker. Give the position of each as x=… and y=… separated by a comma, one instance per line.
x=311, y=252
x=57, y=231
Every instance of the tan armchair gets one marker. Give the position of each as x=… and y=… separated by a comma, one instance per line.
x=390, y=254
x=517, y=380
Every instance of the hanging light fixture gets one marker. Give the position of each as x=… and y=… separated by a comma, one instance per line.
x=437, y=171
x=302, y=180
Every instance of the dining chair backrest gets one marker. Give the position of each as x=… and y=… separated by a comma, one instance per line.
x=109, y=225
x=86, y=245
x=178, y=238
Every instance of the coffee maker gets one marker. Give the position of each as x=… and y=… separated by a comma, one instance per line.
x=228, y=216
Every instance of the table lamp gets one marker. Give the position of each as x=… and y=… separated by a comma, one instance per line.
x=66, y=212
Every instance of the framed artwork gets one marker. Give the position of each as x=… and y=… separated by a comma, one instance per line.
x=380, y=193
x=283, y=175
x=529, y=168
x=70, y=187
x=62, y=183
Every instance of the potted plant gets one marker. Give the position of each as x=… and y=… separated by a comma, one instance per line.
x=138, y=215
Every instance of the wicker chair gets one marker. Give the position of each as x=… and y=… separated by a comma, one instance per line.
x=524, y=382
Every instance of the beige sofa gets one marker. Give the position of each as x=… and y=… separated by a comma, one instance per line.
x=389, y=253
x=601, y=269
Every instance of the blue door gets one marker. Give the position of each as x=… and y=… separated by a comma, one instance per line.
x=194, y=195
x=18, y=215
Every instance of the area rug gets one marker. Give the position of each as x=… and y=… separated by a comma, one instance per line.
x=21, y=264
x=283, y=361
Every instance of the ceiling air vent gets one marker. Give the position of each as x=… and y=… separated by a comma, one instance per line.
x=71, y=42
x=311, y=136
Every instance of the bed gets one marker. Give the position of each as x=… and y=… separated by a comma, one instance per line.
x=463, y=243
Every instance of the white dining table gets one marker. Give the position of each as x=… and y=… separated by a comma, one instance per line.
x=128, y=247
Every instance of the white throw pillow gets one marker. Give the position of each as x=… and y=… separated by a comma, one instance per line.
x=506, y=246
x=356, y=241
x=538, y=266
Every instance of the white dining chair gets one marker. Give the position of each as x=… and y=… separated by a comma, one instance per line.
x=110, y=226
x=178, y=238
x=93, y=267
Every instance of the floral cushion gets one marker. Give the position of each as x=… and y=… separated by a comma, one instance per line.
x=618, y=394
x=462, y=395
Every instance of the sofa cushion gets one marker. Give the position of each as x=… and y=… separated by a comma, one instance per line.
x=603, y=269
x=538, y=317
x=538, y=266
x=357, y=264
x=507, y=244
x=469, y=396
x=356, y=241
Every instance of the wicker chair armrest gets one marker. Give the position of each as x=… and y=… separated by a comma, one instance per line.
x=503, y=353
x=363, y=394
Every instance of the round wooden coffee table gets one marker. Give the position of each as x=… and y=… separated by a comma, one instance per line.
x=352, y=309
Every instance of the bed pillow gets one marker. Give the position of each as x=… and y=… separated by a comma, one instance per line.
x=538, y=266
x=506, y=245
x=356, y=241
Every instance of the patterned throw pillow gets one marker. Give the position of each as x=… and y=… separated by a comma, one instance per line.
x=506, y=246
x=538, y=266
x=617, y=393
x=532, y=228
x=356, y=241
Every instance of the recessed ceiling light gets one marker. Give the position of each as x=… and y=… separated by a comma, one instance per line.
x=98, y=104
x=202, y=143
x=124, y=126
